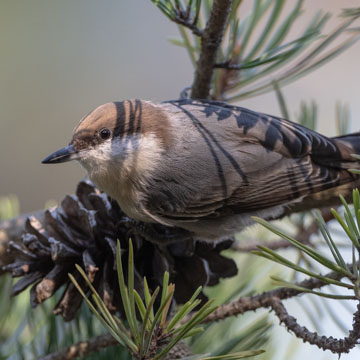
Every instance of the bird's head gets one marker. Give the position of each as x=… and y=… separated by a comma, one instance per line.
x=117, y=135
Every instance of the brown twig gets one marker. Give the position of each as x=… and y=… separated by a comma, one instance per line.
x=264, y=300
x=82, y=348
x=189, y=24
x=227, y=76
x=270, y=299
x=273, y=299
x=228, y=65
x=337, y=346
x=210, y=42
x=184, y=17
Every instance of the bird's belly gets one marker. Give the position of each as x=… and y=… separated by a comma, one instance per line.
x=216, y=229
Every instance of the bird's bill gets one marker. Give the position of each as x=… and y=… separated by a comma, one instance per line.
x=67, y=153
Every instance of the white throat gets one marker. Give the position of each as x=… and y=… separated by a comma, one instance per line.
x=123, y=166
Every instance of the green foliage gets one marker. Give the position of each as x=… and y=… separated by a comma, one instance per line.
x=275, y=53
x=31, y=333
x=27, y=333
x=9, y=207
x=351, y=12
x=342, y=119
x=257, y=46
x=350, y=223
x=174, y=9
x=155, y=335
x=308, y=115
x=251, y=335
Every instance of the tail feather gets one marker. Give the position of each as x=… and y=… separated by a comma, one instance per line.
x=342, y=158
x=350, y=145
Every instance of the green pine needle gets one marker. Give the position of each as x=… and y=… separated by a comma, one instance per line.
x=140, y=334
x=351, y=225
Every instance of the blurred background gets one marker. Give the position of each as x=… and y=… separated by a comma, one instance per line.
x=61, y=59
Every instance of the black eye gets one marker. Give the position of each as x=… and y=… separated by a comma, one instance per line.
x=105, y=134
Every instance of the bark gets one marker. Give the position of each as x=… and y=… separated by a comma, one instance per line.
x=82, y=348
x=210, y=43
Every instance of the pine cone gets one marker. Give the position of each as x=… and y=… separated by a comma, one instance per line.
x=83, y=230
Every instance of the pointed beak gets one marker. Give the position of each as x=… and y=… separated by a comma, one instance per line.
x=67, y=153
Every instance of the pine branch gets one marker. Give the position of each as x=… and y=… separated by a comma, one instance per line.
x=180, y=15
x=82, y=348
x=191, y=25
x=273, y=300
x=210, y=43
x=97, y=343
x=229, y=66
x=270, y=299
x=264, y=300
x=337, y=346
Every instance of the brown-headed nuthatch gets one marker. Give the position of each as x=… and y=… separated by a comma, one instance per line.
x=205, y=166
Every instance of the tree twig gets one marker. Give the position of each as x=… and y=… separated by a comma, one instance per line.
x=188, y=24
x=270, y=299
x=210, y=42
x=82, y=348
x=264, y=300
x=228, y=66
x=337, y=346
x=273, y=299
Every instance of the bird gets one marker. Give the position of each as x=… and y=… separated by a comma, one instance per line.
x=205, y=166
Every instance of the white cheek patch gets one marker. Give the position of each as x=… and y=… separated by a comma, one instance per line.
x=99, y=154
x=96, y=157
x=141, y=151
x=123, y=166
x=122, y=148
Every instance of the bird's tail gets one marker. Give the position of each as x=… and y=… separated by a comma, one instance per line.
x=341, y=156
x=349, y=145
x=335, y=160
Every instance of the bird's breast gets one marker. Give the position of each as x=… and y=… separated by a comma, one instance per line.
x=125, y=191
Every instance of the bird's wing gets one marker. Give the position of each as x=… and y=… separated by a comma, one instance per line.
x=264, y=161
